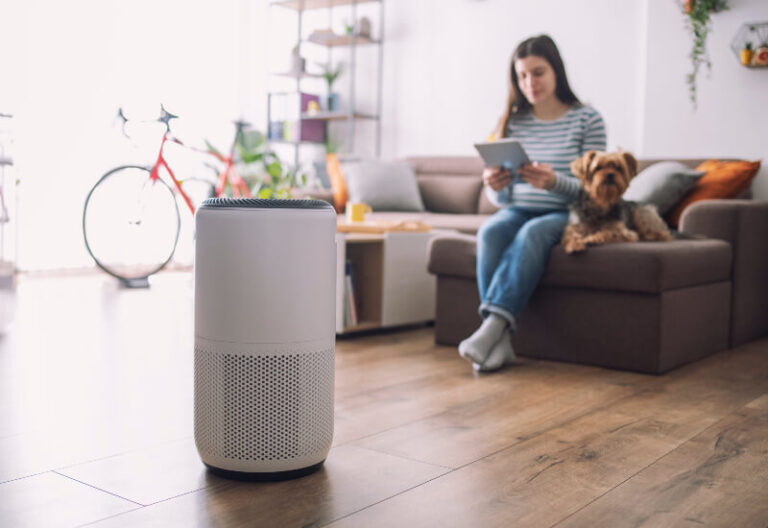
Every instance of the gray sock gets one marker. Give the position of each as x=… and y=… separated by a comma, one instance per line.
x=501, y=354
x=477, y=346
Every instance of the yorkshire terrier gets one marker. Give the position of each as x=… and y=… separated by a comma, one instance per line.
x=599, y=215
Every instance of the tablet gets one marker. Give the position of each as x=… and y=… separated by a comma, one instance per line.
x=506, y=153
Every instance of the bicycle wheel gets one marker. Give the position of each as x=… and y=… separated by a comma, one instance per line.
x=130, y=223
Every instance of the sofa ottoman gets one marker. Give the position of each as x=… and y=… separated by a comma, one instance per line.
x=646, y=307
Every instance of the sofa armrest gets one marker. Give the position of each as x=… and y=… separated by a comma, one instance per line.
x=453, y=255
x=744, y=224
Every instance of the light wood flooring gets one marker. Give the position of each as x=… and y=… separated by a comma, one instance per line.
x=96, y=429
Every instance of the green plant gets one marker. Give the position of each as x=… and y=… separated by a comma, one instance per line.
x=331, y=146
x=698, y=21
x=748, y=46
x=262, y=170
x=330, y=74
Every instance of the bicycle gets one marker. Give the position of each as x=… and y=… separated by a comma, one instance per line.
x=131, y=220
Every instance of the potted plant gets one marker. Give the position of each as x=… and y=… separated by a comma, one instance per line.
x=330, y=75
x=746, y=54
x=262, y=170
x=698, y=13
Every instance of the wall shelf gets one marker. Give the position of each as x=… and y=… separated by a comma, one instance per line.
x=756, y=33
x=341, y=40
x=298, y=75
x=337, y=116
x=294, y=143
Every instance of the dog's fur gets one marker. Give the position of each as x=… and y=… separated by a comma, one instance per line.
x=599, y=215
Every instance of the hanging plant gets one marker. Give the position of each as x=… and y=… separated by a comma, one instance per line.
x=699, y=24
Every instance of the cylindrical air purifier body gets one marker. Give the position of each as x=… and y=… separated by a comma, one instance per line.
x=265, y=273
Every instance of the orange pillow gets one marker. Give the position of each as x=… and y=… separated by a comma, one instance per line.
x=339, y=186
x=723, y=179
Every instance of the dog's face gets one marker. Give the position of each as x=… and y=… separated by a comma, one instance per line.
x=605, y=175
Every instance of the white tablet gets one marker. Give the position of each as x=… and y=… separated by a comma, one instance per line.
x=506, y=153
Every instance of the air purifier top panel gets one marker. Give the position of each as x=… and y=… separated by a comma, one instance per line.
x=257, y=203
x=265, y=271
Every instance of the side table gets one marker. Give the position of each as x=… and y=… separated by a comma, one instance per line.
x=389, y=279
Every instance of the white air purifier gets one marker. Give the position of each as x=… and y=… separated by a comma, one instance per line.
x=265, y=273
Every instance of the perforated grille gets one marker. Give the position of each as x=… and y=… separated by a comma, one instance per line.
x=266, y=407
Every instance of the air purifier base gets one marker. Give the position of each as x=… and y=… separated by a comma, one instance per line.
x=264, y=477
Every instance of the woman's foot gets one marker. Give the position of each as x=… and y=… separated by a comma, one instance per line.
x=477, y=347
x=501, y=354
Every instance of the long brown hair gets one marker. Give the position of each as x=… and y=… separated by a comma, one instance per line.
x=541, y=46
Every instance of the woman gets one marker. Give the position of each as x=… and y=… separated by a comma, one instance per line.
x=513, y=246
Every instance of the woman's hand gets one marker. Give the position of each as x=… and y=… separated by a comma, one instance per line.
x=539, y=175
x=496, y=177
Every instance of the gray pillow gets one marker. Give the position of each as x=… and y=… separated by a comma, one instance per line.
x=384, y=186
x=662, y=184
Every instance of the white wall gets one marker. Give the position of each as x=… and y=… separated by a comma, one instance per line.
x=68, y=66
x=731, y=119
x=447, y=66
x=446, y=71
x=65, y=67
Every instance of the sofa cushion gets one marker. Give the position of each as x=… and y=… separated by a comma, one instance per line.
x=449, y=194
x=453, y=255
x=449, y=184
x=723, y=179
x=662, y=184
x=647, y=267
x=385, y=186
x=464, y=165
x=484, y=205
x=338, y=185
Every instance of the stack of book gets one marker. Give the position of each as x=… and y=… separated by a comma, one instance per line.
x=351, y=313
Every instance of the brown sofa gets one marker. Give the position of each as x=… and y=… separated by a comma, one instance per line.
x=646, y=307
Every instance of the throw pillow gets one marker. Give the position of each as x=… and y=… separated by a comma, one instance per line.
x=662, y=184
x=384, y=186
x=723, y=179
x=339, y=186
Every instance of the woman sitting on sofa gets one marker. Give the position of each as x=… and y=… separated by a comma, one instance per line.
x=513, y=246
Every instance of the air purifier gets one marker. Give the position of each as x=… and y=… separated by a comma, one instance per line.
x=264, y=281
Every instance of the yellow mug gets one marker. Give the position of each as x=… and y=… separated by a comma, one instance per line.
x=356, y=211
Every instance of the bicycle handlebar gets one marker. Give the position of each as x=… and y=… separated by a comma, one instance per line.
x=165, y=118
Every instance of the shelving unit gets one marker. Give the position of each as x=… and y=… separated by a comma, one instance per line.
x=330, y=41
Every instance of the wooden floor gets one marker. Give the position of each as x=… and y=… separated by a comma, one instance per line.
x=96, y=428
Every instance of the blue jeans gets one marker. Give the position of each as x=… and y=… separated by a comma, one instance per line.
x=512, y=253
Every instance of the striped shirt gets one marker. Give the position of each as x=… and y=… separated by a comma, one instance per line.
x=557, y=143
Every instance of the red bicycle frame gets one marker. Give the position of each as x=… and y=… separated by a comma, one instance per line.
x=154, y=174
x=227, y=174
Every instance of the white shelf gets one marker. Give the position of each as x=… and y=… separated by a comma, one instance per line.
x=306, y=5
x=298, y=75
x=337, y=116
x=341, y=40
